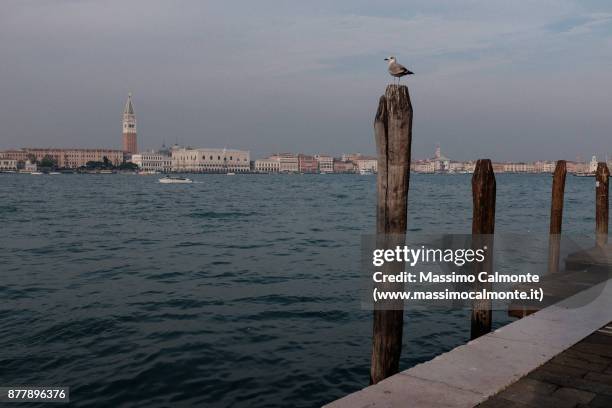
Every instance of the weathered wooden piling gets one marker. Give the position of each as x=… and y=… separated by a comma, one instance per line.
x=393, y=135
x=602, y=182
x=556, y=215
x=483, y=228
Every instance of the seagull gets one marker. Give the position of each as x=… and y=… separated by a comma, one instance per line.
x=397, y=70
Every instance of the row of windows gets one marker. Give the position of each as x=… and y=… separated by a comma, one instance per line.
x=154, y=159
x=211, y=158
x=212, y=165
x=65, y=156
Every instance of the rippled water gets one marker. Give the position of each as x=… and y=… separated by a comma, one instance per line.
x=233, y=291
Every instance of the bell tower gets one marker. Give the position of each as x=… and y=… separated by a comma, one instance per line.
x=129, y=127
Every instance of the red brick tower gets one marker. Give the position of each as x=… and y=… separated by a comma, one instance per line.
x=129, y=128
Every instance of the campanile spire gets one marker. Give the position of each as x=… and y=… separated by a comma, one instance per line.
x=129, y=127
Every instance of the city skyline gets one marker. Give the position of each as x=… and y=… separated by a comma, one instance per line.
x=178, y=158
x=129, y=145
x=492, y=79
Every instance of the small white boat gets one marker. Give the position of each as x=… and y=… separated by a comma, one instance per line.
x=584, y=174
x=175, y=180
x=37, y=173
x=366, y=172
x=54, y=173
x=231, y=174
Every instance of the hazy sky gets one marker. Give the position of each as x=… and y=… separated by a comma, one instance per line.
x=509, y=80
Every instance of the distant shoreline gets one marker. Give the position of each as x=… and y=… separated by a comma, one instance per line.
x=133, y=173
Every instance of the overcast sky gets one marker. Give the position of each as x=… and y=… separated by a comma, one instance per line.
x=509, y=80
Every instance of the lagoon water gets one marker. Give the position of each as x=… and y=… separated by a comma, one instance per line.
x=232, y=291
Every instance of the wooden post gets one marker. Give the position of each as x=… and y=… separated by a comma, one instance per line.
x=393, y=134
x=556, y=216
x=602, y=182
x=483, y=228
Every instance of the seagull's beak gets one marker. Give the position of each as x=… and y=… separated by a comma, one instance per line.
x=386, y=59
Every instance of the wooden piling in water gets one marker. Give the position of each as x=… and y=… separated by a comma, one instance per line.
x=602, y=182
x=556, y=215
x=393, y=134
x=483, y=228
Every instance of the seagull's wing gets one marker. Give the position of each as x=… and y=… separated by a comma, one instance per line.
x=398, y=69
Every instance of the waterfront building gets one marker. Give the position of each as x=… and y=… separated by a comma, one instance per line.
x=367, y=164
x=8, y=164
x=153, y=161
x=469, y=166
x=544, y=166
x=512, y=167
x=268, y=165
x=326, y=163
x=130, y=145
x=441, y=162
x=422, y=166
x=350, y=157
x=577, y=167
x=519, y=167
x=66, y=158
x=342, y=166
x=307, y=164
x=456, y=167
x=498, y=167
x=288, y=162
x=593, y=165
x=30, y=167
x=20, y=155
x=210, y=160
